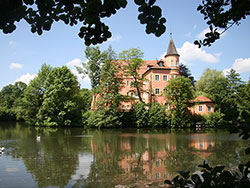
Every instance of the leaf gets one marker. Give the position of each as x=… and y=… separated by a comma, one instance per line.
x=184, y=174
x=247, y=151
x=196, y=179
x=168, y=182
x=219, y=168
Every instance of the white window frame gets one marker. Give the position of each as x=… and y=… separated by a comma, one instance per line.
x=158, y=175
x=128, y=83
x=157, y=92
x=200, y=108
x=158, y=76
x=165, y=76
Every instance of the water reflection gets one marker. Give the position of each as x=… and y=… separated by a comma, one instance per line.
x=93, y=158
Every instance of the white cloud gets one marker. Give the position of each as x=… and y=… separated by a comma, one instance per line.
x=15, y=66
x=26, y=78
x=240, y=65
x=189, y=52
x=12, y=43
x=201, y=35
x=114, y=39
x=74, y=62
x=84, y=82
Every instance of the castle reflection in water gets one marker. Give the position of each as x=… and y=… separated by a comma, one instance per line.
x=153, y=157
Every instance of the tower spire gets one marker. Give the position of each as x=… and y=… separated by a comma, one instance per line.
x=171, y=48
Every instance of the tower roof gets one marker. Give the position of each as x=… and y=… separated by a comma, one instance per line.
x=171, y=48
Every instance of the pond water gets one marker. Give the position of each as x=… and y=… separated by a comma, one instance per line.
x=76, y=157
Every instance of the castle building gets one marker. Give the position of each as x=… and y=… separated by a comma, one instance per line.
x=157, y=74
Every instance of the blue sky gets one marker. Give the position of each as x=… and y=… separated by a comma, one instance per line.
x=22, y=53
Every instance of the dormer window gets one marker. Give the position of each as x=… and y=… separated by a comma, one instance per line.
x=161, y=64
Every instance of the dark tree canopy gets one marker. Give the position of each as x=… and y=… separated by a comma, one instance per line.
x=41, y=14
x=221, y=14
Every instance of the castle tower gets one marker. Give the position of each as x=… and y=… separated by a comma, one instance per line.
x=172, y=56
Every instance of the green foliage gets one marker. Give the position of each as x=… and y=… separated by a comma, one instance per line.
x=10, y=99
x=157, y=116
x=111, y=82
x=42, y=14
x=104, y=118
x=216, y=176
x=243, y=103
x=85, y=98
x=208, y=78
x=179, y=93
x=141, y=114
x=93, y=66
x=221, y=14
x=184, y=71
x=60, y=105
x=33, y=95
x=132, y=62
x=214, y=119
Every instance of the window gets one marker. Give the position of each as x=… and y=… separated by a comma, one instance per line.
x=158, y=175
x=127, y=93
x=200, y=108
x=127, y=83
x=157, y=77
x=209, y=108
x=157, y=91
x=172, y=63
x=132, y=94
x=165, y=90
x=165, y=77
x=161, y=64
x=158, y=162
x=128, y=107
x=172, y=76
x=165, y=175
x=123, y=107
x=177, y=63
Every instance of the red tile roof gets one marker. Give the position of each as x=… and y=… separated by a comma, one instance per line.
x=202, y=99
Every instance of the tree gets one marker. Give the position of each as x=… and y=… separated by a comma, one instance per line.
x=132, y=62
x=207, y=80
x=179, y=93
x=93, y=66
x=86, y=98
x=111, y=81
x=42, y=14
x=221, y=14
x=10, y=98
x=243, y=103
x=61, y=104
x=184, y=71
x=33, y=95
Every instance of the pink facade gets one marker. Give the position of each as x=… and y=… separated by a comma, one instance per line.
x=203, y=105
x=157, y=74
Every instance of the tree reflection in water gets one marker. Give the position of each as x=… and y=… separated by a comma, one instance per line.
x=54, y=155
